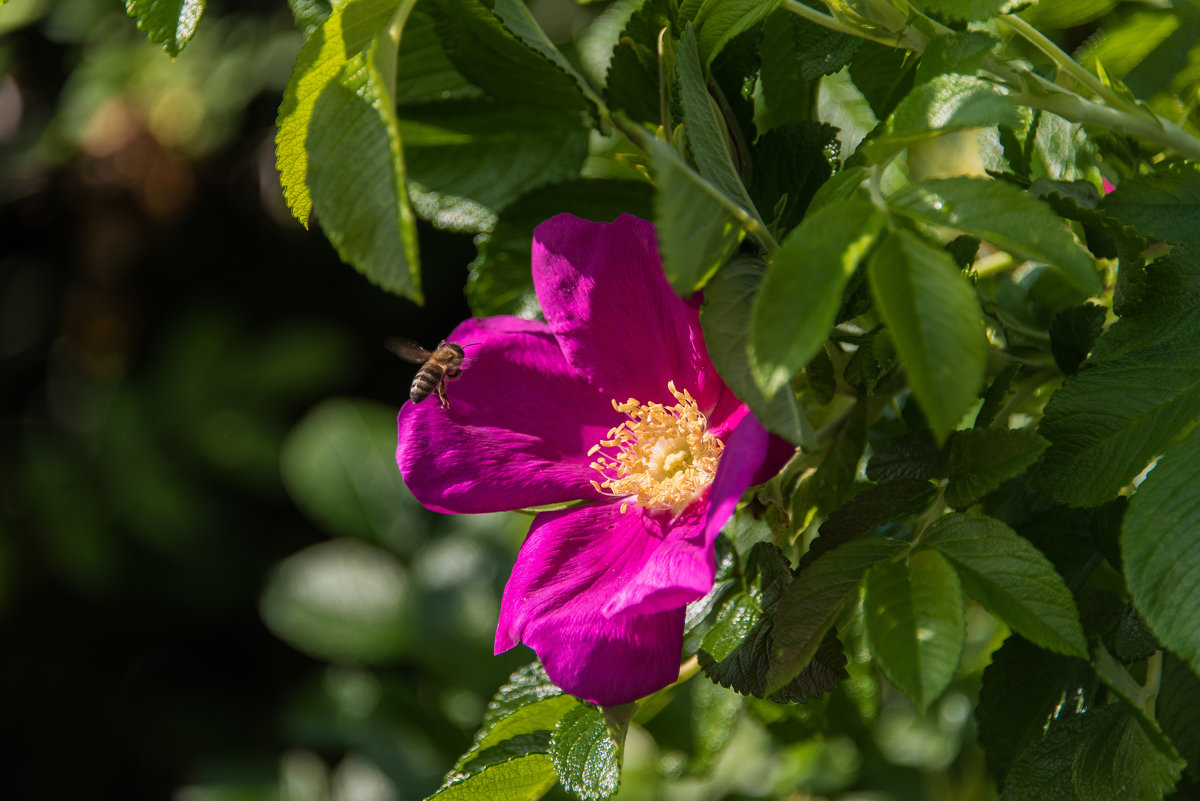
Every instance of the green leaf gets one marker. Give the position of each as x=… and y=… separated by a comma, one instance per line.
x=981, y=459
x=914, y=622
x=715, y=713
x=697, y=228
x=1100, y=755
x=494, y=58
x=517, y=18
x=935, y=321
x=339, y=466
x=169, y=23
x=1073, y=332
x=961, y=52
x=1164, y=206
x=1136, y=697
x=1005, y=573
x=867, y=511
x=1023, y=688
x=310, y=14
x=996, y=395
x=909, y=456
x=941, y=105
x=802, y=291
x=706, y=130
x=1158, y=546
x=500, y=281
x=883, y=74
x=1139, y=390
x=338, y=138
x=1009, y=218
x=425, y=73
x=586, y=756
x=736, y=651
x=1178, y=699
x=469, y=159
x=632, y=81
x=522, y=778
x=790, y=163
x=314, y=601
x=718, y=21
x=813, y=600
x=971, y=10
x=725, y=319
x=824, y=489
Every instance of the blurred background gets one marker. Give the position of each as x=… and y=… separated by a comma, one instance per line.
x=213, y=585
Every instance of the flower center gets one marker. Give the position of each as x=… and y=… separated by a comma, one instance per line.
x=662, y=457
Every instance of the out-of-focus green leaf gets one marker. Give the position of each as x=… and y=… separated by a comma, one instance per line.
x=169, y=23
x=310, y=14
x=941, y=105
x=341, y=600
x=715, y=713
x=802, y=291
x=935, y=321
x=586, y=756
x=812, y=601
x=1005, y=573
x=725, y=319
x=1004, y=215
x=500, y=281
x=1158, y=546
x=339, y=466
x=339, y=140
x=914, y=622
x=962, y=52
x=469, y=159
x=983, y=458
x=824, y=489
x=697, y=229
x=970, y=10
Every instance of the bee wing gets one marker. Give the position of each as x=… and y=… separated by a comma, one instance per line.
x=407, y=349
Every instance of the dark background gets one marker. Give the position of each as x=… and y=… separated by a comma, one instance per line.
x=164, y=324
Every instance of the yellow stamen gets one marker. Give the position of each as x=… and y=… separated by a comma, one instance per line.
x=664, y=455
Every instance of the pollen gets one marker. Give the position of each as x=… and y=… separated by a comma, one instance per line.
x=662, y=457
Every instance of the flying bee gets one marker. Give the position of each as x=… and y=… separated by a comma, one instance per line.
x=437, y=366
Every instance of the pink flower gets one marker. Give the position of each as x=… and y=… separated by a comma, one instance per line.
x=612, y=401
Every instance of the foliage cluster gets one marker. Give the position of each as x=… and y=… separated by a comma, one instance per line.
x=911, y=269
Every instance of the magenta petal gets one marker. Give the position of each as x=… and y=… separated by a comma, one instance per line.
x=678, y=571
x=604, y=294
x=518, y=428
x=572, y=562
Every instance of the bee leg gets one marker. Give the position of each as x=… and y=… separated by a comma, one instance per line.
x=441, y=393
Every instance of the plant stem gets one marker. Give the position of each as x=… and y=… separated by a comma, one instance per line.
x=1154, y=666
x=1063, y=60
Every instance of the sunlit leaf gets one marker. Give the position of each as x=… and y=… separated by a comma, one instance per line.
x=169, y=23
x=935, y=321
x=1005, y=573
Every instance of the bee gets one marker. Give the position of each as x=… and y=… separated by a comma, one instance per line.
x=437, y=366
